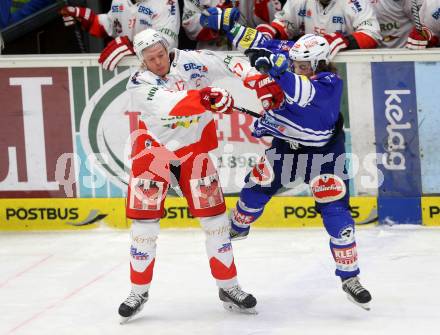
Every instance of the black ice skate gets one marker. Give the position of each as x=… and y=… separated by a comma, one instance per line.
x=238, y=234
x=236, y=300
x=132, y=305
x=356, y=293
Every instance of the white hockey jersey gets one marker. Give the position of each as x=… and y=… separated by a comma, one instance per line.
x=126, y=18
x=253, y=13
x=170, y=106
x=300, y=17
x=395, y=20
x=430, y=15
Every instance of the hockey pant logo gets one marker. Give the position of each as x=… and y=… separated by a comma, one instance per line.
x=327, y=188
x=262, y=173
x=146, y=194
x=206, y=192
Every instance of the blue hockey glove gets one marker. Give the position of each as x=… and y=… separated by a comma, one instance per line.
x=279, y=65
x=260, y=59
x=216, y=19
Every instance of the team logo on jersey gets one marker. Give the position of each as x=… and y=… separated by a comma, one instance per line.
x=194, y=66
x=305, y=13
x=338, y=19
x=327, y=188
x=145, y=194
x=145, y=10
x=117, y=9
x=262, y=173
x=206, y=192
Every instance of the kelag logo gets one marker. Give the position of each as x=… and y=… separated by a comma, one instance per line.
x=394, y=158
x=397, y=140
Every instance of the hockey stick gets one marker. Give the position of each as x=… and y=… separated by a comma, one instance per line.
x=416, y=16
x=247, y=111
x=76, y=29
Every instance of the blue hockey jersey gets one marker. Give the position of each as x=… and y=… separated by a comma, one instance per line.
x=309, y=113
x=311, y=108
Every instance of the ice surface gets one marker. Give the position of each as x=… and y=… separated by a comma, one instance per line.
x=73, y=283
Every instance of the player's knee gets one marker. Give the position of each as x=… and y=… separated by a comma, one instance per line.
x=216, y=227
x=338, y=222
x=145, y=228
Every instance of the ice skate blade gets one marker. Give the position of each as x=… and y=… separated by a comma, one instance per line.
x=229, y=306
x=238, y=238
x=125, y=319
x=365, y=306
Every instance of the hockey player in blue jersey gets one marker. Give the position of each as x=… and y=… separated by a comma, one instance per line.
x=308, y=144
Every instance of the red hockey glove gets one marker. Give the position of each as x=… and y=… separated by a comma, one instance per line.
x=337, y=42
x=216, y=100
x=267, y=30
x=420, y=40
x=268, y=91
x=225, y=4
x=276, y=29
x=82, y=14
x=114, y=52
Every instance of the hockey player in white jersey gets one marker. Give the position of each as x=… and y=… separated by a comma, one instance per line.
x=124, y=20
x=430, y=19
x=253, y=13
x=396, y=21
x=176, y=132
x=344, y=24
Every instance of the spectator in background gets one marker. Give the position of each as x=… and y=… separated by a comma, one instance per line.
x=396, y=21
x=345, y=25
x=253, y=13
x=124, y=20
x=14, y=11
x=430, y=19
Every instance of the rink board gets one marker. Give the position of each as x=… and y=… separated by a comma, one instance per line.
x=80, y=214
x=84, y=214
x=65, y=125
